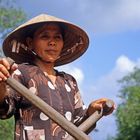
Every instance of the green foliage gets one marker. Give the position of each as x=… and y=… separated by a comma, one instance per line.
x=128, y=112
x=10, y=16
x=7, y=129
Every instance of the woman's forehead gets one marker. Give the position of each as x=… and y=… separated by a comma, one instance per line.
x=50, y=26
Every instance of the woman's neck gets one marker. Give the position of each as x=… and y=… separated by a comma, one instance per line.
x=46, y=67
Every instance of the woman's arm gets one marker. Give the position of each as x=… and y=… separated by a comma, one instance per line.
x=6, y=96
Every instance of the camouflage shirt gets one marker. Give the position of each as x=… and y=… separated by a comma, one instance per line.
x=30, y=122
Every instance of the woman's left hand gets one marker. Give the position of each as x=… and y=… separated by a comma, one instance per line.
x=99, y=105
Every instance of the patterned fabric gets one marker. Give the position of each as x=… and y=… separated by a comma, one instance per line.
x=63, y=96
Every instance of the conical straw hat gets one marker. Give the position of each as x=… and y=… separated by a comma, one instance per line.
x=76, y=40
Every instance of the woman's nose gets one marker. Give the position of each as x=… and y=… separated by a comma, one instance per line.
x=52, y=43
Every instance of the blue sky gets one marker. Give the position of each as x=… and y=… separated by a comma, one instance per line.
x=113, y=27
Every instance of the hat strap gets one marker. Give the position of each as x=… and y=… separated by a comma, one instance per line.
x=17, y=45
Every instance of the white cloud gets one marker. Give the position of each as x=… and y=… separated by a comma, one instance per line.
x=107, y=86
x=124, y=64
x=76, y=72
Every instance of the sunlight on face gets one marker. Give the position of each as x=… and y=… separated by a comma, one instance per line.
x=48, y=42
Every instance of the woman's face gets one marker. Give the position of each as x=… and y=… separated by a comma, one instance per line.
x=48, y=42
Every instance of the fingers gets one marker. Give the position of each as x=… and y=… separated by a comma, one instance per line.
x=5, y=63
x=14, y=67
x=101, y=101
x=94, y=106
x=99, y=105
x=108, y=107
x=108, y=111
x=4, y=69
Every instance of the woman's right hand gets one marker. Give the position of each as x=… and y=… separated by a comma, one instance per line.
x=5, y=68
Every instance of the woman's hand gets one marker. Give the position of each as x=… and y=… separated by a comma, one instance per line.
x=5, y=68
x=99, y=105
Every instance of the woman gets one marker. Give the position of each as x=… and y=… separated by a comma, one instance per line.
x=38, y=46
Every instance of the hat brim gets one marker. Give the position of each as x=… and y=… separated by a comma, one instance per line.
x=76, y=40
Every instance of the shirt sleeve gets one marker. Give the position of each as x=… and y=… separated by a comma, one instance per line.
x=79, y=106
x=80, y=109
x=80, y=114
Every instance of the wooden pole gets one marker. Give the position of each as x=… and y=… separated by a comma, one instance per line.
x=91, y=120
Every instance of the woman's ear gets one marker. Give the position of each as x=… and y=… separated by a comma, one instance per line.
x=29, y=42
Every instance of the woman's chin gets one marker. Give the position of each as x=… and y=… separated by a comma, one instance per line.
x=51, y=60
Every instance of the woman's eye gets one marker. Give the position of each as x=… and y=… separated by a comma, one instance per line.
x=55, y=37
x=58, y=37
x=44, y=36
